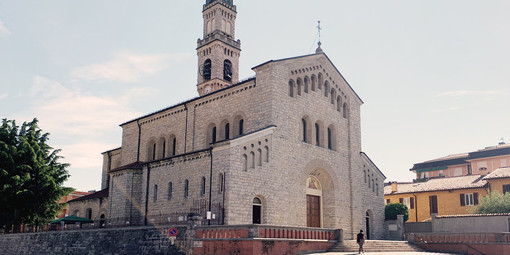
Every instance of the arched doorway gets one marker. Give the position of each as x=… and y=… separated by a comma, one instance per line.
x=257, y=211
x=313, y=202
x=367, y=224
x=102, y=221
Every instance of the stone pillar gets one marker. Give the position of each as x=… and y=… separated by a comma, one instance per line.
x=400, y=226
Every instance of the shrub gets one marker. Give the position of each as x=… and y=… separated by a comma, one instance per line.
x=392, y=210
x=495, y=202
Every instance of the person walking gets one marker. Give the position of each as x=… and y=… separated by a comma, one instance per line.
x=360, y=239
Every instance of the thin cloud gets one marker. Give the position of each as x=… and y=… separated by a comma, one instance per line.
x=460, y=93
x=3, y=30
x=126, y=68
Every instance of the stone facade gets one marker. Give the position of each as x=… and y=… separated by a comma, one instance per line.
x=250, y=149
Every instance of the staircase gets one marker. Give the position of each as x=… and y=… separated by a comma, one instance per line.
x=374, y=246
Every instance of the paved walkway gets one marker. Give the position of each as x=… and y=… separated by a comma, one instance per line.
x=383, y=253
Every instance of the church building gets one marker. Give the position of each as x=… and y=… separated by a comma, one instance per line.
x=282, y=148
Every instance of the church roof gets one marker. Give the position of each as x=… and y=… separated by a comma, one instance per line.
x=314, y=54
x=229, y=2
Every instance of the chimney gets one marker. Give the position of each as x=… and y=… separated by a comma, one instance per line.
x=394, y=187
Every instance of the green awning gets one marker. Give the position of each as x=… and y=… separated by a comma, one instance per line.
x=432, y=169
x=71, y=220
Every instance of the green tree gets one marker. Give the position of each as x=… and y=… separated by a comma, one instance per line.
x=392, y=210
x=31, y=177
x=494, y=202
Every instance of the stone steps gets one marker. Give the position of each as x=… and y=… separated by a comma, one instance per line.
x=374, y=246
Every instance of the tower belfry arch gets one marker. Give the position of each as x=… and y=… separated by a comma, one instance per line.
x=218, y=52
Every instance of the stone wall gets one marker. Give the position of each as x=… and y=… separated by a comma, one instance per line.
x=98, y=241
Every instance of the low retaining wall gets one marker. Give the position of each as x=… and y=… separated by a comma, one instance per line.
x=263, y=239
x=471, y=244
x=140, y=240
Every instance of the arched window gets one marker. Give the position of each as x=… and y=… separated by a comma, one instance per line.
x=333, y=95
x=291, y=88
x=377, y=189
x=365, y=175
x=241, y=127
x=221, y=183
x=317, y=135
x=321, y=80
x=207, y=70
x=299, y=84
x=155, y=197
x=303, y=127
x=313, y=82
x=227, y=70
x=345, y=113
x=259, y=157
x=227, y=131
x=330, y=138
x=245, y=162
x=326, y=89
x=266, y=154
x=163, y=149
x=257, y=211
x=373, y=186
x=170, y=190
x=252, y=159
x=202, y=187
x=213, y=135
x=338, y=104
x=174, y=146
x=306, y=80
x=186, y=188
x=154, y=151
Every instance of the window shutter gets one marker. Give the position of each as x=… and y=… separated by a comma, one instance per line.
x=412, y=202
x=401, y=200
x=388, y=201
x=475, y=198
x=462, y=200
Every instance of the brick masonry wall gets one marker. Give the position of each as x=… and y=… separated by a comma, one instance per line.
x=103, y=241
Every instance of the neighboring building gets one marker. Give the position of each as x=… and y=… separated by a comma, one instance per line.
x=66, y=199
x=452, y=185
x=282, y=148
x=478, y=162
x=93, y=206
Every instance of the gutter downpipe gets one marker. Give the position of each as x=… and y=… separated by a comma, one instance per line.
x=210, y=185
x=416, y=206
x=147, y=194
x=186, y=129
x=139, y=138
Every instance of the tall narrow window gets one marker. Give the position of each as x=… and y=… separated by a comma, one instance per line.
x=186, y=188
x=299, y=84
x=170, y=190
x=207, y=70
x=326, y=89
x=317, y=135
x=252, y=159
x=245, y=162
x=213, y=135
x=257, y=211
x=155, y=197
x=313, y=82
x=154, y=151
x=321, y=80
x=266, y=154
x=259, y=157
x=365, y=175
x=345, y=113
x=330, y=138
x=227, y=70
x=227, y=131
x=433, y=204
x=163, y=148
x=333, y=95
x=338, y=104
x=303, y=126
x=306, y=84
x=174, y=146
x=202, y=188
x=291, y=88
x=241, y=127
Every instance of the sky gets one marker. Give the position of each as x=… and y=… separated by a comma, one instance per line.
x=434, y=75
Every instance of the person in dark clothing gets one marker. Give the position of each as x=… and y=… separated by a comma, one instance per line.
x=360, y=239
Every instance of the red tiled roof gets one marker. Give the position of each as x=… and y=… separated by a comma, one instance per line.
x=503, y=172
x=472, y=215
x=439, y=184
x=99, y=194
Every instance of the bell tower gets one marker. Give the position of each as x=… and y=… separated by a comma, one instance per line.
x=218, y=52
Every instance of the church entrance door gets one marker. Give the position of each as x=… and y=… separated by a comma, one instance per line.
x=313, y=211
